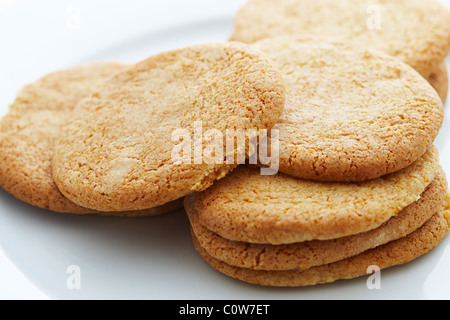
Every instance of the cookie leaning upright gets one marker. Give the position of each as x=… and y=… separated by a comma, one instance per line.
x=415, y=31
x=352, y=114
x=116, y=152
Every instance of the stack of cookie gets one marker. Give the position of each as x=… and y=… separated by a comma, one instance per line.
x=360, y=186
x=282, y=231
x=357, y=180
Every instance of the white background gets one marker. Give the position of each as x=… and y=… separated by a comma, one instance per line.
x=149, y=258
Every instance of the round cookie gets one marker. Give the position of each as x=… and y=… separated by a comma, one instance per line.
x=117, y=153
x=351, y=114
x=395, y=253
x=303, y=256
x=28, y=133
x=415, y=31
x=439, y=80
x=249, y=207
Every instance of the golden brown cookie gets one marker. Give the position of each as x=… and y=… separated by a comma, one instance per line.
x=116, y=153
x=28, y=133
x=249, y=207
x=395, y=253
x=351, y=114
x=303, y=256
x=439, y=80
x=447, y=208
x=415, y=31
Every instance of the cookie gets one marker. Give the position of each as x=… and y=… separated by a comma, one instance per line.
x=29, y=130
x=439, y=80
x=249, y=207
x=303, y=256
x=395, y=253
x=28, y=133
x=117, y=152
x=351, y=114
x=415, y=31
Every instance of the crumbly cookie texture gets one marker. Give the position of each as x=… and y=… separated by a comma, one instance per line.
x=351, y=114
x=415, y=31
x=249, y=207
x=116, y=153
x=447, y=209
x=305, y=255
x=439, y=80
x=395, y=253
x=28, y=133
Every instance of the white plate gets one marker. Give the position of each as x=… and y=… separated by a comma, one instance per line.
x=149, y=258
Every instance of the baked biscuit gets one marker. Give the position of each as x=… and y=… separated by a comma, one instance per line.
x=415, y=31
x=249, y=207
x=395, y=253
x=305, y=255
x=351, y=114
x=28, y=132
x=116, y=153
x=439, y=80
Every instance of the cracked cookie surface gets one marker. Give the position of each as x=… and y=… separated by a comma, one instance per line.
x=116, y=153
x=351, y=114
x=415, y=31
x=29, y=131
